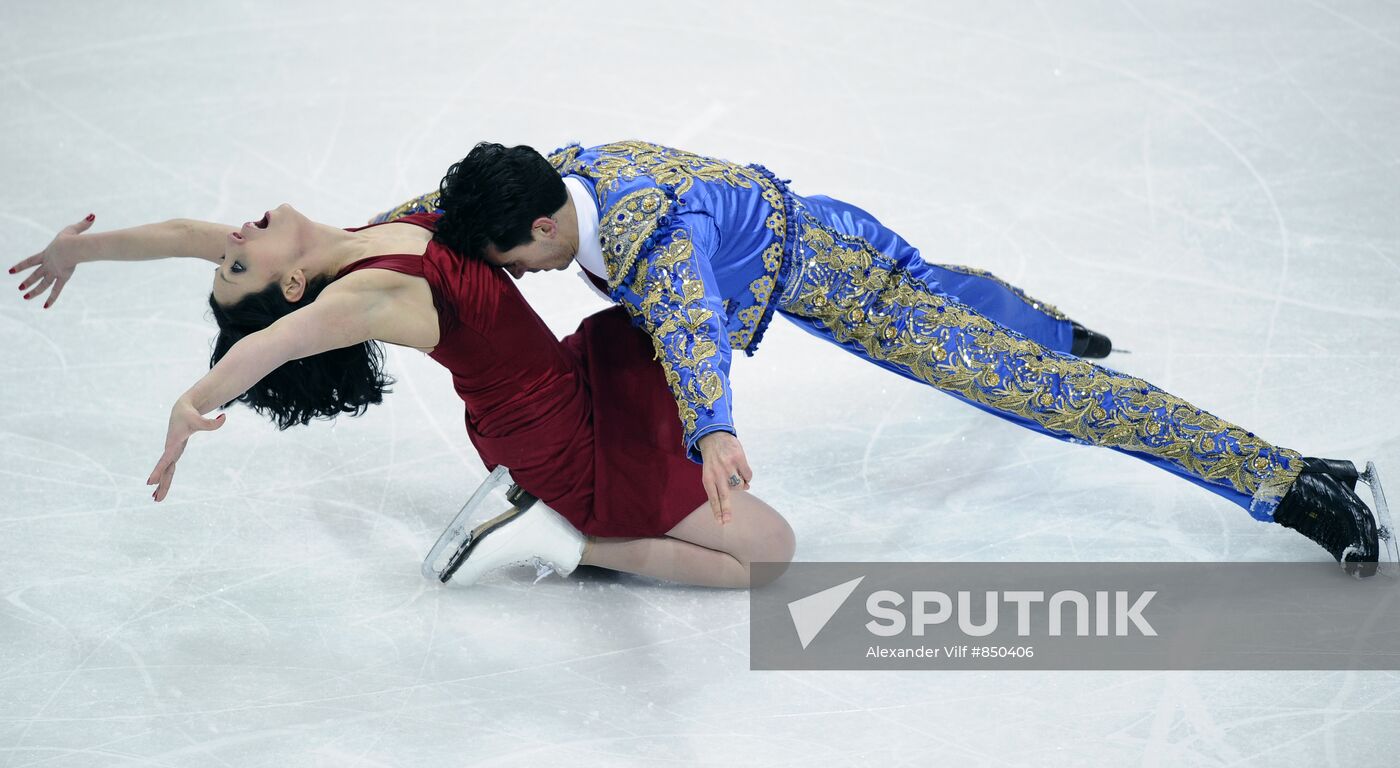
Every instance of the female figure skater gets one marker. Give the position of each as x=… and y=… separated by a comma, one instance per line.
x=587, y=425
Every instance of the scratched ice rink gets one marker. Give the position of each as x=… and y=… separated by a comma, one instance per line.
x=1216, y=186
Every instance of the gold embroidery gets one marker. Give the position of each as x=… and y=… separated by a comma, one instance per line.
x=681, y=170
x=773, y=257
x=673, y=312
x=424, y=203
x=625, y=227
x=866, y=301
x=564, y=159
x=762, y=288
x=776, y=222
x=678, y=169
x=749, y=317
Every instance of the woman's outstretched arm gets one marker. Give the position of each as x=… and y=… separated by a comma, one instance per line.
x=71, y=247
x=337, y=318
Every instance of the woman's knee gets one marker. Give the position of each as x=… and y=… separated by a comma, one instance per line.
x=771, y=539
x=782, y=543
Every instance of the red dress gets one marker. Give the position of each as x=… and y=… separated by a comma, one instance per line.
x=587, y=424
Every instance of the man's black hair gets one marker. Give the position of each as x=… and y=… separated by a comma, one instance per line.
x=493, y=196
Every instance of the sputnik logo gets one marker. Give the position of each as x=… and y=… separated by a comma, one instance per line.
x=811, y=613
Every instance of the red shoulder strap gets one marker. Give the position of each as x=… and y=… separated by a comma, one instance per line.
x=407, y=263
x=427, y=221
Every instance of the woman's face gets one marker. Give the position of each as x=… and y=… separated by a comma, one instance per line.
x=259, y=253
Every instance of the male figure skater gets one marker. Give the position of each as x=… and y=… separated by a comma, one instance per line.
x=702, y=251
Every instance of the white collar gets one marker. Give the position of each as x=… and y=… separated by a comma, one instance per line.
x=590, y=250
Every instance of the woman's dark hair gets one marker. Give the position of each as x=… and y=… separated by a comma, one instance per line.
x=493, y=196
x=346, y=380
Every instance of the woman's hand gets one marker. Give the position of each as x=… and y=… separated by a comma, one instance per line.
x=55, y=263
x=185, y=420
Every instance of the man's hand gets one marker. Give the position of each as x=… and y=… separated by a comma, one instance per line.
x=724, y=461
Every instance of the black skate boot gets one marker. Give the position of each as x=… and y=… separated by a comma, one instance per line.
x=1089, y=344
x=1322, y=504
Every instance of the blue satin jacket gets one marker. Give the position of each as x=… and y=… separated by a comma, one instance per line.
x=695, y=249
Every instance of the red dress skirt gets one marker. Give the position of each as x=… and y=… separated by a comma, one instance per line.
x=588, y=424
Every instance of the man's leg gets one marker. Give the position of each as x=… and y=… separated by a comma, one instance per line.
x=1000, y=302
x=844, y=289
x=979, y=289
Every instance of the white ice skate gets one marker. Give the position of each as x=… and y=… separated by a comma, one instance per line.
x=1385, y=530
x=528, y=533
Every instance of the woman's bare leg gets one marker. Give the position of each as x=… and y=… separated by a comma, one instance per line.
x=699, y=550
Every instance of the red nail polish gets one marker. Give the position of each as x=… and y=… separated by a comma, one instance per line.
x=90, y=217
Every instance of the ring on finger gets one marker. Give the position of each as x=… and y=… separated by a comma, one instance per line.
x=735, y=481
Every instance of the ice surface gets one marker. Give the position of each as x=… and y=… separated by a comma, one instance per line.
x=1213, y=185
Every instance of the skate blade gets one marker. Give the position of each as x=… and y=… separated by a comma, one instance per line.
x=464, y=550
x=1385, y=529
x=458, y=533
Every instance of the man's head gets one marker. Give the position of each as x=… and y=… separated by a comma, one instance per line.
x=508, y=207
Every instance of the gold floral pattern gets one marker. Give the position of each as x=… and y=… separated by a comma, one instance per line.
x=773, y=257
x=675, y=168
x=563, y=159
x=679, y=170
x=424, y=203
x=868, y=304
x=672, y=311
x=626, y=227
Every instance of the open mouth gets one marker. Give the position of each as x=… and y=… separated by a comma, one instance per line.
x=238, y=237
